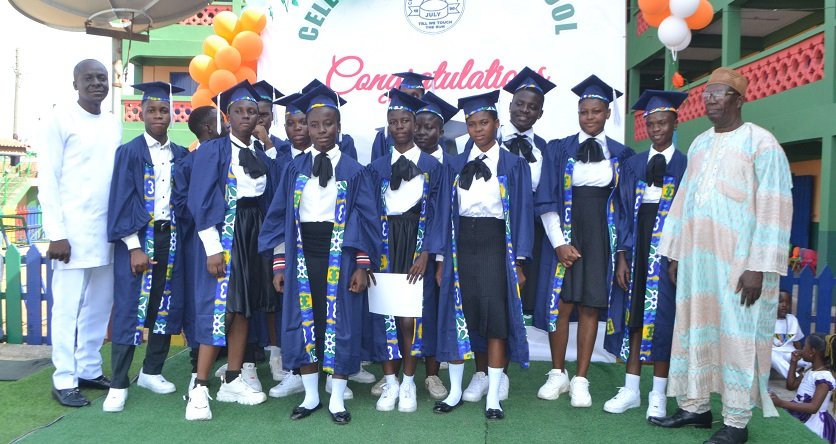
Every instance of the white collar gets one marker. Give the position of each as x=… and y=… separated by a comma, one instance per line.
x=154, y=143
x=509, y=131
x=295, y=152
x=601, y=137
x=438, y=153
x=236, y=142
x=492, y=153
x=333, y=154
x=667, y=153
x=412, y=154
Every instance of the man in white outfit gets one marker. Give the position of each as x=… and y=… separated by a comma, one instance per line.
x=76, y=165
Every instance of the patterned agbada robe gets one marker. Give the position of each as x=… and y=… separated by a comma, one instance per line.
x=732, y=213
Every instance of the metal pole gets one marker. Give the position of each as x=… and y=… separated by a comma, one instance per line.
x=116, y=90
x=17, y=93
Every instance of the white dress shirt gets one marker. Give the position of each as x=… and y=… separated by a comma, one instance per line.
x=438, y=154
x=409, y=193
x=162, y=159
x=653, y=194
x=75, y=165
x=294, y=153
x=593, y=174
x=482, y=199
x=508, y=133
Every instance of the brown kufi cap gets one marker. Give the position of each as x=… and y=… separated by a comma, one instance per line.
x=730, y=78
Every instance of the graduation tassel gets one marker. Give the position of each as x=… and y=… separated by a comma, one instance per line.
x=616, y=110
x=339, y=134
x=218, y=115
x=675, y=137
x=170, y=104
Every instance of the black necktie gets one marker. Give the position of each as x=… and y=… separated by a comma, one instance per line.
x=656, y=170
x=403, y=170
x=590, y=151
x=258, y=145
x=252, y=165
x=475, y=169
x=519, y=145
x=322, y=168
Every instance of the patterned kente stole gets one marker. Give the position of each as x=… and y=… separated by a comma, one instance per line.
x=391, y=322
x=654, y=266
x=332, y=277
x=462, y=335
x=148, y=181
x=219, y=310
x=509, y=250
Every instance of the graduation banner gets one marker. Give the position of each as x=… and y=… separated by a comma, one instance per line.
x=469, y=46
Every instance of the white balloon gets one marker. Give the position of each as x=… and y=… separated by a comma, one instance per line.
x=682, y=45
x=684, y=8
x=673, y=31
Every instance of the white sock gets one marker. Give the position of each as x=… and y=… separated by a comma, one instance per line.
x=311, y=383
x=494, y=376
x=409, y=379
x=456, y=374
x=632, y=382
x=274, y=351
x=660, y=385
x=336, y=404
x=391, y=380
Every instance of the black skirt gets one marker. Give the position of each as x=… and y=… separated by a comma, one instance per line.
x=585, y=282
x=482, y=274
x=644, y=234
x=316, y=244
x=403, y=239
x=250, y=277
x=528, y=292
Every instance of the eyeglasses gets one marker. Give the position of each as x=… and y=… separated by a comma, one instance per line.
x=717, y=96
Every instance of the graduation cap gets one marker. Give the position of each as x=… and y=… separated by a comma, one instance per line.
x=287, y=103
x=159, y=91
x=654, y=101
x=399, y=100
x=266, y=91
x=594, y=88
x=239, y=92
x=482, y=102
x=529, y=79
x=318, y=97
x=412, y=80
x=438, y=106
x=315, y=83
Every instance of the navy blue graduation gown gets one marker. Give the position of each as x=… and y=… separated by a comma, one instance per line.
x=518, y=175
x=346, y=144
x=633, y=171
x=382, y=145
x=186, y=241
x=362, y=234
x=549, y=198
x=207, y=203
x=434, y=243
x=127, y=215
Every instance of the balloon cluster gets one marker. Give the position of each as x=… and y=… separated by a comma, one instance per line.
x=675, y=19
x=230, y=55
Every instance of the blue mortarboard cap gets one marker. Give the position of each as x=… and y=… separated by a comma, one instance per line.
x=529, y=79
x=315, y=83
x=317, y=97
x=438, y=106
x=654, y=101
x=160, y=91
x=401, y=100
x=595, y=88
x=288, y=103
x=241, y=91
x=482, y=102
x=266, y=91
x=412, y=80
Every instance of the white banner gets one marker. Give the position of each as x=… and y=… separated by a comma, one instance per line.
x=469, y=46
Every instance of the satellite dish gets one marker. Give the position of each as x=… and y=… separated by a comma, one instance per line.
x=120, y=19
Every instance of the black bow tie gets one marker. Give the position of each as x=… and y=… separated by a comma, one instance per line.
x=252, y=165
x=590, y=151
x=656, y=170
x=403, y=170
x=520, y=146
x=475, y=169
x=322, y=168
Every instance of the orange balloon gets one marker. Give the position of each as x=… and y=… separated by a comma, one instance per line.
x=225, y=24
x=213, y=43
x=245, y=72
x=249, y=44
x=252, y=19
x=221, y=80
x=201, y=67
x=654, y=7
x=228, y=58
x=703, y=16
x=202, y=97
x=656, y=20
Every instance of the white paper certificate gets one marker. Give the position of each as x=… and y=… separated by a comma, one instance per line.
x=394, y=295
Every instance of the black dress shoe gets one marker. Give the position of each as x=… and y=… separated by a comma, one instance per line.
x=70, y=397
x=682, y=418
x=494, y=414
x=100, y=383
x=729, y=435
x=443, y=407
x=300, y=412
x=341, y=418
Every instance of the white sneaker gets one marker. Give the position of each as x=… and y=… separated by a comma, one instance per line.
x=363, y=377
x=477, y=388
x=290, y=384
x=556, y=385
x=407, y=402
x=276, y=366
x=444, y=366
x=657, y=405
x=347, y=394
x=579, y=392
x=240, y=392
x=115, y=401
x=197, y=408
x=388, y=398
x=155, y=383
x=250, y=375
x=624, y=400
x=435, y=387
x=504, y=387
x=191, y=382
x=377, y=388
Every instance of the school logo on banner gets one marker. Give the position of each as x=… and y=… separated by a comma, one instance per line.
x=433, y=16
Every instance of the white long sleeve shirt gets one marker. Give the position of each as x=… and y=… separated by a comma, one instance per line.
x=162, y=159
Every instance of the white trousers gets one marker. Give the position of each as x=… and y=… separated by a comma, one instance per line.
x=81, y=303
